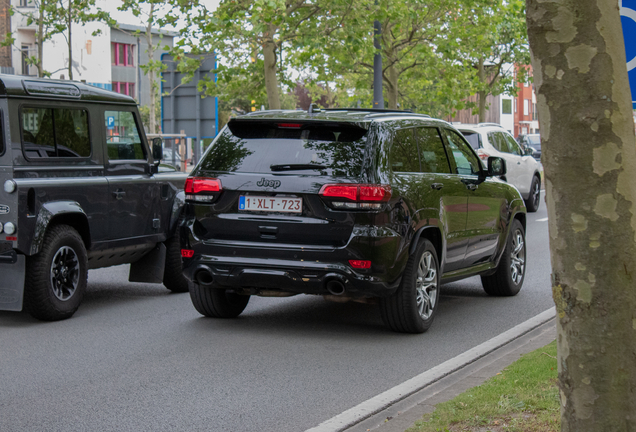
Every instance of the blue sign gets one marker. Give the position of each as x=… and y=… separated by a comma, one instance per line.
x=628, y=20
x=110, y=122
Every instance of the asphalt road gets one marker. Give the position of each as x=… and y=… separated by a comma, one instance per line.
x=138, y=358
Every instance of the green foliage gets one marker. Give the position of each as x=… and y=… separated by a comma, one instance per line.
x=523, y=397
x=430, y=49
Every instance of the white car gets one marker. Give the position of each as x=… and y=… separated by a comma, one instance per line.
x=523, y=170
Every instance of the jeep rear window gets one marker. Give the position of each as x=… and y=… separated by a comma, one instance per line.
x=256, y=147
x=55, y=132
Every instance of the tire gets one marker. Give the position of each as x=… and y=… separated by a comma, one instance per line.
x=217, y=302
x=56, y=277
x=508, y=278
x=532, y=203
x=173, y=277
x=413, y=306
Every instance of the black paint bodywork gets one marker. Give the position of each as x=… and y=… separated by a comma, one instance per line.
x=468, y=220
x=122, y=209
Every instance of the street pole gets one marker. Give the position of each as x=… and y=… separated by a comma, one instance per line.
x=378, y=99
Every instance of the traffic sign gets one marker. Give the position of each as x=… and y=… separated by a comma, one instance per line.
x=628, y=20
x=110, y=122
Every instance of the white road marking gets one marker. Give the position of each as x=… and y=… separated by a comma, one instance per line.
x=382, y=401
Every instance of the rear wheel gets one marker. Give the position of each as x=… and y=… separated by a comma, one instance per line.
x=217, y=302
x=56, y=277
x=532, y=203
x=412, y=308
x=508, y=278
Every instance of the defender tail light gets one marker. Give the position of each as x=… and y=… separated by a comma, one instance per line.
x=356, y=196
x=187, y=253
x=202, y=189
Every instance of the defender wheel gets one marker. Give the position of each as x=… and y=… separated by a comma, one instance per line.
x=412, y=308
x=217, y=302
x=56, y=277
x=532, y=203
x=173, y=277
x=508, y=279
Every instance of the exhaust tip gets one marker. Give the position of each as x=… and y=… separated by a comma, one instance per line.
x=335, y=287
x=204, y=277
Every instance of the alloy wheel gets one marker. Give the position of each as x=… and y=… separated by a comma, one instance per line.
x=426, y=285
x=65, y=270
x=517, y=257
x=536, y=194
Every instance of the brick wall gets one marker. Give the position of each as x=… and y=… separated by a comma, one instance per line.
x=5, y=27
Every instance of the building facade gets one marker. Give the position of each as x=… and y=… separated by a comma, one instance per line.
x=5, y=27
x=104, y=56
x=526, y=120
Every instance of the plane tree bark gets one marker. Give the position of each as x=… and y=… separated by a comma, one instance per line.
x=589, y=158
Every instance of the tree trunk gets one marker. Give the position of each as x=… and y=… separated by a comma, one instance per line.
x=393, y=86
x=152, y=126
x=70, y=40
x=271, y=79
x=482, y=95
x=39, y=42
x=589, y=157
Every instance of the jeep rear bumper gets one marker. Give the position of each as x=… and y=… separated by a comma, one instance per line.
x=253, y=276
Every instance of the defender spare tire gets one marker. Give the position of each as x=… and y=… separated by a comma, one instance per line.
x=56, y=277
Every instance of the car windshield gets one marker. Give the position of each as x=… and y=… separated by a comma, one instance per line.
x=248, y=146
x=534, y=141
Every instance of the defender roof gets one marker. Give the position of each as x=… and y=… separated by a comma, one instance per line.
x=44, y=88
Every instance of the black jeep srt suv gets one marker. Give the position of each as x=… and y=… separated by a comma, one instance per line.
x=81, y=189
x=349, y=204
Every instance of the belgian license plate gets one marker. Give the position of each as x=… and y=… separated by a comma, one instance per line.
x=270, y=204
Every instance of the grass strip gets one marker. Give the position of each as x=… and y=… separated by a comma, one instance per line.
x=523, y=397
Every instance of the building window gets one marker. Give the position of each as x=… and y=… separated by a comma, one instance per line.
x=122, y=54
x=526, y=107
x=25, y=59
x=124, y=88
x=516, y=105
x=25, y=3
x=534, y=112
x=506, y=106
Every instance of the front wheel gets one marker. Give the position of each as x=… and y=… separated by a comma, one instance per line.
x=412, y=308
x=508, y=278
x=532, y=203
x=217, y=302
x=56, y=277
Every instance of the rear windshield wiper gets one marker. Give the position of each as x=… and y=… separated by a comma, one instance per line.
x=294, y=167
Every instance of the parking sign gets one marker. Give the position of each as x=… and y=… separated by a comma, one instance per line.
x=110, y=122
x=628, y=20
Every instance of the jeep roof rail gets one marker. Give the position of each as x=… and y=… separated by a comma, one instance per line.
x=369, y=110
x=491, y=124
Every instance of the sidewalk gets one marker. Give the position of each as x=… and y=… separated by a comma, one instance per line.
x=403, y=414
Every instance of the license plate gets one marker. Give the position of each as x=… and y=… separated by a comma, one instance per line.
x=270, y=204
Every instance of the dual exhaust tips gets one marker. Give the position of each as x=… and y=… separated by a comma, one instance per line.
x=334, y=283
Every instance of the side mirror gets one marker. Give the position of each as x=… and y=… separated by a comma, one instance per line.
x=496, y=167
x=157, y=149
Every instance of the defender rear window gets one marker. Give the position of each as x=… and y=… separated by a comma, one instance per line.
x=55, y=133
x=288, y=146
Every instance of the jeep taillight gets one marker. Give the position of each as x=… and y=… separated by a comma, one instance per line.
x=202, y=189
x=356, y=196
x=482, y=154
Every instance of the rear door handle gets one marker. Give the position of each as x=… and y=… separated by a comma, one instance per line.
x=437, y=186
x=119, y=194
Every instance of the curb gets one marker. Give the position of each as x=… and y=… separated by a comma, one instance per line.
x=384, y=400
